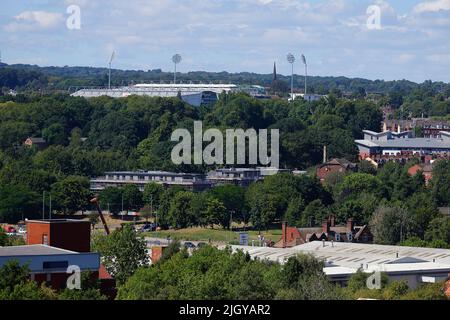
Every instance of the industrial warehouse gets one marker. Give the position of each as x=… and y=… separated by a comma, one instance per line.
x=343, y=259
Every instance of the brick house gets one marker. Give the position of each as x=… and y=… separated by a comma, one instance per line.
x=335, y=165
x=39, y=143
x=292, y=236
x=426, y=169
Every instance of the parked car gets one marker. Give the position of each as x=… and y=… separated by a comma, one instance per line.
x=147, y=228
x=189, y=245
x=10, y=230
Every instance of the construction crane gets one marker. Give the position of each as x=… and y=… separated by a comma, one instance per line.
x=100, y=213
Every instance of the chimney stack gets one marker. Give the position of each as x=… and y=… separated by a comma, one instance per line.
x=284, y=233
x=350, y=225
x=326, y=226
x=332, y=221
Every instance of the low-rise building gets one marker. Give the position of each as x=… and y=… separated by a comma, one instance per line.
x=293, y=236
x=194, y=182
x=393, y=144
x=39, y=143
x=335, y=165
x=425, y=169
x=344, y=259
x=49, y=264
x=55, y=250
x=241, y=176
x=428, y=128
x=73, y=235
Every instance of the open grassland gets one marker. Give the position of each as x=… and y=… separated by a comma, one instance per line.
x=214, y=235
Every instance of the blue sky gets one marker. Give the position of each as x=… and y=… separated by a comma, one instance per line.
x=235, y=35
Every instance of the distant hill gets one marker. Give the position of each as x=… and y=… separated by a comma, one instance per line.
x=33, y=77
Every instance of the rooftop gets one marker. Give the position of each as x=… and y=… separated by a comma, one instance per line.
x=33, y=250
x=50, y=221
x=407, y=143
x=353, y=255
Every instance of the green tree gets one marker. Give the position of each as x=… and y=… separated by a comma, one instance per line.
x=132, y=197
x=180, y=214
x=55, y=134
x=153, y=193
x=216, y=213
x=90, y=289
x=390, y=225
x=17, y=202
x=122, y=252
x=111, y=199
x=71, y=194
x=439, y=230
x=314, y=214
x=294, y=211
x=15, y=284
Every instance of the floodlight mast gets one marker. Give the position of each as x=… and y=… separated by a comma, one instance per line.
x=109, y=74
x=176, y=59
x=291, y=60
x=306, y=72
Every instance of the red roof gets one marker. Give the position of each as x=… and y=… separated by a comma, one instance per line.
x=103, y=273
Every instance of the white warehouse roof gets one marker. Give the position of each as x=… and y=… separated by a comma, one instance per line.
x=343, y=259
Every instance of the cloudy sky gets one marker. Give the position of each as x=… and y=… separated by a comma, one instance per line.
x=412, y=41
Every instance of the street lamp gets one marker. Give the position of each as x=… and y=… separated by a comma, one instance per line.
x=291, y=60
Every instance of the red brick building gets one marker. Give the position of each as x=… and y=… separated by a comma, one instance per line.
x=335, y=165
x=67, y=234
x=426, y=169
x=293, y=236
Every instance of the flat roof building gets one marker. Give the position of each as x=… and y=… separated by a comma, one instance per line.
x=343, y=259
x=191, y=181
x=74, y=235
x=392, y=144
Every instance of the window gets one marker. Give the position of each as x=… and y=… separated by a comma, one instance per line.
x=55, y=265
x=337, y=237
x=365, y=238
x=45, y=239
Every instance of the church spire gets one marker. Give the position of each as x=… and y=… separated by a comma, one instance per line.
x=274, y=71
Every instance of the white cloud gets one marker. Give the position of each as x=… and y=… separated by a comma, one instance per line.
x=29, y=20
x=432, y=6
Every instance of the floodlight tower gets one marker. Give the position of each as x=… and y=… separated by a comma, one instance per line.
x=306, y=71
x=109, y=74
x=176, y=59
x=291, y=60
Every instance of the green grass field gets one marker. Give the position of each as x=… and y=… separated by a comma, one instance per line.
x=215, y=235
